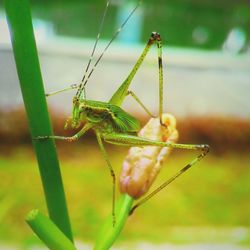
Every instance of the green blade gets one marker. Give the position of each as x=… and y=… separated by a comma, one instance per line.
x=48, y=232
x=28, y=69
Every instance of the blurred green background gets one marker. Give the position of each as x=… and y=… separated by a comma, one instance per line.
x=190, y=23
x=209, y=39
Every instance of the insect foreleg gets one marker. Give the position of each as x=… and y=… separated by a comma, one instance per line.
x=111, y=170
x=167, y=182
x=74, y=137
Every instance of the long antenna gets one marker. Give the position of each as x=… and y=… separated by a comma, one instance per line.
x=82, y=85
x=94, y=48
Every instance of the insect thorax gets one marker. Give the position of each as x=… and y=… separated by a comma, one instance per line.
x=108, y=118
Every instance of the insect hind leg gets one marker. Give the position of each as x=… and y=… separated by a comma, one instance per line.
x=205, y=150
x=130, y=140
x=122, y=91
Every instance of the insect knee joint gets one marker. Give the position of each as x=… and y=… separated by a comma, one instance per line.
x=155, y=35
x=112, y=173
x=162, y=123
x=205, y=148
x=129, y=92
x=73, y=138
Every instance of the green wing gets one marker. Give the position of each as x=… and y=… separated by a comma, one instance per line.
x=123, y=121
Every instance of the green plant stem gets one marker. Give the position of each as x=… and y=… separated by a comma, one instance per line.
x=109, y=233
x=25, y=52
x=48, y=232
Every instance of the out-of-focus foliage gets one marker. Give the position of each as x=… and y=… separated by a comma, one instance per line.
x=203, y=24
x=222, y=133
x=221, y=208
x=209, y=204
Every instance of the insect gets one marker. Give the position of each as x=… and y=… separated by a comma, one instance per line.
x=110, y=123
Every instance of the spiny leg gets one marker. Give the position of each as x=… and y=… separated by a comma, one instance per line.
x=112, y=173
x=129, y=140
x=74, y=137
x=159, y=46
x=167, y=182
x=140, y=102
x=132, y=140
x=122, y=91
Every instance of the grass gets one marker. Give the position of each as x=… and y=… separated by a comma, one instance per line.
x=209, y=203
x=28, y=69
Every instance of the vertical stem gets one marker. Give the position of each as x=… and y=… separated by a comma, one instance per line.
x=108, y=232
x=25, y=52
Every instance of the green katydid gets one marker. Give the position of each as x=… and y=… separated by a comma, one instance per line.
x=108, y=120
